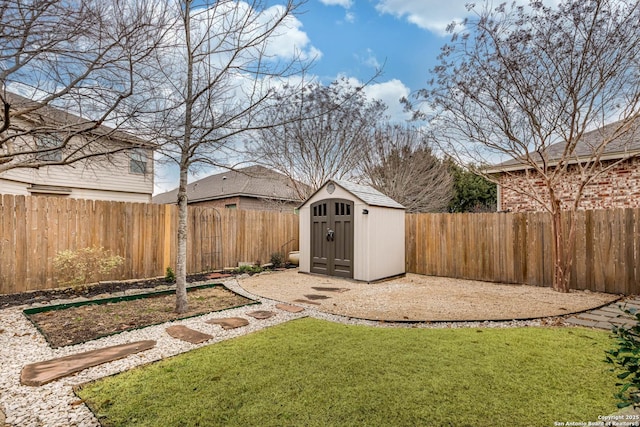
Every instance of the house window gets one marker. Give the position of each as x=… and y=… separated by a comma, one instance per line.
x=46, y=146
x=231, y=206
x=138, y=161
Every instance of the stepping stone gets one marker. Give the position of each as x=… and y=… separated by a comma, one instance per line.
x=183, y=333
x=229, y=322
x=315, y=297
x=306, y=301
x=289, y=308
x=323, y=289
x=261, y=314
x=37, y=374
x=581, y=322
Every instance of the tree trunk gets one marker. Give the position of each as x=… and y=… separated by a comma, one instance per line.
x=181, y=265
x=181, y=262
x=563, y=246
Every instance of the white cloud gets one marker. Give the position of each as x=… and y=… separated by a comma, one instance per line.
x=390, y=93
x=350, y=17
x=369, y=59
x=431, y=15
x=344, y=3
x=434, y=15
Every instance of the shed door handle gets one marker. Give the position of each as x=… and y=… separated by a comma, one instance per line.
x=330, y=235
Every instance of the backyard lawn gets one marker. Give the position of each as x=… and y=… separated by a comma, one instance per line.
x=317, y=373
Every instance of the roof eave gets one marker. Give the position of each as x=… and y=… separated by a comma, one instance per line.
x=523, y=166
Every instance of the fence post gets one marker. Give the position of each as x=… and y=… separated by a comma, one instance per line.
x=166, y=259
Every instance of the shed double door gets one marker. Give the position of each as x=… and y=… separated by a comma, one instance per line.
x=332, y=237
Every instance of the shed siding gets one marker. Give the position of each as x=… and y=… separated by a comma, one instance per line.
x=385, y=226
x=378, y=250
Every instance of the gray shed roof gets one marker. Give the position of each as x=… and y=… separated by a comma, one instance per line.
x=366, y=193
x=626, y=145
x=252, y=181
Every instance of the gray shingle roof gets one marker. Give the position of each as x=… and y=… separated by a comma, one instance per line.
x=367, y=194
x=624, y=146
x=252, y=181
x=57, y=118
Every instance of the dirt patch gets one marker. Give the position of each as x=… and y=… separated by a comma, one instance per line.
x=84, y=323
x=425, y=298
x=90, y=290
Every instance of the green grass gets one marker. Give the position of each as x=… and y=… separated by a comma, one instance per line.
x=314, y=373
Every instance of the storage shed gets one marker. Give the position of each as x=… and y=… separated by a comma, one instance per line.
x=351, y=230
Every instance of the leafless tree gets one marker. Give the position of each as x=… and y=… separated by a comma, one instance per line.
x=219, y=68
x=67, y=68
x=401, y=164
x=518, y=79
x=324, y=133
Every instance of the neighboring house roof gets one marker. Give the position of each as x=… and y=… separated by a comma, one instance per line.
x=365, y=193
x=56, y=117
x=252, y=181
x=626, y=145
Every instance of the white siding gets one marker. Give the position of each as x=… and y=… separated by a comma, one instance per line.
x=104, y=180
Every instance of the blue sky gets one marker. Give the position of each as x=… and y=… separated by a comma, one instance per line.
x=356, y=36
x=354, y=39
x=351, y=38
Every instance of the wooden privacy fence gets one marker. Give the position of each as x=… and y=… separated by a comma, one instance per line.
x=34, y=229
x=517, y=248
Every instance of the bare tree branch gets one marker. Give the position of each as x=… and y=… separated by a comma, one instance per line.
x=527, y=83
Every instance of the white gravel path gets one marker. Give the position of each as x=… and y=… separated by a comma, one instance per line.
x=55, y=404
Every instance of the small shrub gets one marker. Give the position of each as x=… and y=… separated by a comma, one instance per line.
x=75, y=268
x=170, y=276
x=626, y=360
x=277, y=259
x=249, y=269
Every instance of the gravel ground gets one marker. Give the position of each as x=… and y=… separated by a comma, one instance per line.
x=55, y=404
x=425, y=298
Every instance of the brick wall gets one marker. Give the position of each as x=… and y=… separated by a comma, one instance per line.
x=616, y=188
x=248, y=203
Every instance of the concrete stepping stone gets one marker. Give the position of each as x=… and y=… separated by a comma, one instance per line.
x=315, y=297
x=37, y=374
x=229, y=322
x=325, y=289
x=183, y=333
x=289, y=308
x=306, y=301
x=261, y=314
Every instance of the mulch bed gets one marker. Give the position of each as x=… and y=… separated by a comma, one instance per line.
x=79, y=324
x=89, y=291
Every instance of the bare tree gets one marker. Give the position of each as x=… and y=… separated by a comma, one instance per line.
x=218, y=72
x=401, y=164
x=76, y=63
x=324, y=133
x=518, y=79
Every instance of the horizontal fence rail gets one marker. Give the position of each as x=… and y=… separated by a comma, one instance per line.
x=33, y=230
x=517, y=248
